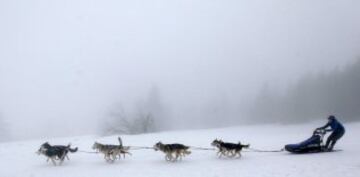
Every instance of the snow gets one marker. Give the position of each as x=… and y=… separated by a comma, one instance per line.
x=19, y=158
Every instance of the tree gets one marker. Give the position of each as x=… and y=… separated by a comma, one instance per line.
x=4, y=133
x=153, y=107
x=118, y=122
x=147, y=116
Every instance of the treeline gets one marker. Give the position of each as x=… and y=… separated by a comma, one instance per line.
x=313, y=97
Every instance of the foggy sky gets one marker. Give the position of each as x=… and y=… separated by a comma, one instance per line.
x=314, y=96
x=65, y=63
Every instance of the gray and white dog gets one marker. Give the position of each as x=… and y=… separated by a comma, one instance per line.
x=173, y=152
x=111, y=152
x=56, y=152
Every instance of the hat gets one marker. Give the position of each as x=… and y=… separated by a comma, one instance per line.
x=331, y=117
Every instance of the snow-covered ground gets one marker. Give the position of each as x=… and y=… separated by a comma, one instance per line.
x=19, y=158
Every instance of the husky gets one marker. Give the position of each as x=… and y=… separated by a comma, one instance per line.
x=57, y=152
x=111, y=152
x=172, y=151
x=228, y=149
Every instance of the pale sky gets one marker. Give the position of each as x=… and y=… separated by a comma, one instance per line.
x=65, y=63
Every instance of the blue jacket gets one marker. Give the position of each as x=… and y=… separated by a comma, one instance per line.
x=334, y=125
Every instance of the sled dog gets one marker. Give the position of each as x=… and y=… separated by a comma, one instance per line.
x=57, y=152
x=111, y=152
x=228, y=149
x=173, y=152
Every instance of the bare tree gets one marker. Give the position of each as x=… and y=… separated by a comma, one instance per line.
x=116, y=122
x=143, y=123
x=146, y=117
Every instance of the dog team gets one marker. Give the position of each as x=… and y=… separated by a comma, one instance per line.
x=173, y=152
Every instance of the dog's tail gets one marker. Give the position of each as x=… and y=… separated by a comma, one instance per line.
x=187, y=152
x=246, y=145
x=71, y=149
x=120, y=141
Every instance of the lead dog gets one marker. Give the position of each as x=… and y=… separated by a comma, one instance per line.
x=228, y=149
x=172, y=151
x=57, y=152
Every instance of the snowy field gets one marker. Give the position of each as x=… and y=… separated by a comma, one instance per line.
x=19, y=158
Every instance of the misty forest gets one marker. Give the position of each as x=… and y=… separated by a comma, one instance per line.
x=312, y=97
x=72, y=68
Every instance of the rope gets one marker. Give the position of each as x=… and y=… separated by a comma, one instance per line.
x=259, y=150
x=201, y=148
x=250, y=149
x=88, y=152
x=192, y=147
x=146, y=147
x=138, y=147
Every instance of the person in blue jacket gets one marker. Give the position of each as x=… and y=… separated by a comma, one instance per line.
x=337, y=130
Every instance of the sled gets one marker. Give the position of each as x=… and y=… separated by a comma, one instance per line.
x=311, y=145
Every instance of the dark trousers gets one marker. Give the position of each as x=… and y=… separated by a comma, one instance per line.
x=333, y=138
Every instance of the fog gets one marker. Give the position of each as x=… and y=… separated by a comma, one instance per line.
x=68, y=66
x=312, y=97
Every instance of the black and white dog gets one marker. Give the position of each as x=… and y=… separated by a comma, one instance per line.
x=228, y=149
x=56, y=152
